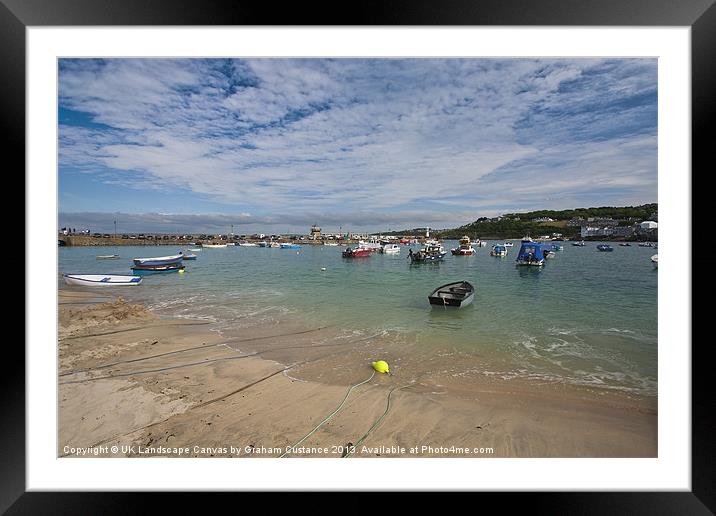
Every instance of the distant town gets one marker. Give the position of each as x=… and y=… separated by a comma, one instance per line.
x=632, y=223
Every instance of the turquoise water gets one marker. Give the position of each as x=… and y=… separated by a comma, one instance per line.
x=586, y=317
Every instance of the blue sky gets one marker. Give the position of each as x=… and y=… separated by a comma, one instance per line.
x=275, y=145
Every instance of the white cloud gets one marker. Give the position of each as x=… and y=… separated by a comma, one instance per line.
x=306, y=136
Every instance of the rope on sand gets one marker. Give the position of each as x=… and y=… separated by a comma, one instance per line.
x=328, y=417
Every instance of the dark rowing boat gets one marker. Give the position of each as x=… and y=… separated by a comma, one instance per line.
x=456, y=294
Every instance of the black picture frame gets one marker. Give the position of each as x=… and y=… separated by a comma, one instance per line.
x=700, y=15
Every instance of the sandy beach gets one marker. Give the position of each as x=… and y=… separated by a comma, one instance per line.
x=132, y=384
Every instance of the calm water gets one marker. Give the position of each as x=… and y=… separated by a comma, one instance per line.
x=586, y=317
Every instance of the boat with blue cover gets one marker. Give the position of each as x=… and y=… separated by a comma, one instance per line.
x=533, y=253
x=290, y=246
x=498, y=250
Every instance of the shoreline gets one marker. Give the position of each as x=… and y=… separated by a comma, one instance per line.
x=167, y=384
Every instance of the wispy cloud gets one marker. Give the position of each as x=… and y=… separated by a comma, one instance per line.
x=343, y=137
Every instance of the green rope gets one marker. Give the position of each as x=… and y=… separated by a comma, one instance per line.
x=319, y=425
x=376, y=423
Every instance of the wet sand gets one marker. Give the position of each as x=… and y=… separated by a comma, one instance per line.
x=150, y=386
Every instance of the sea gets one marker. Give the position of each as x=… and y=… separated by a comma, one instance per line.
x=586, y=318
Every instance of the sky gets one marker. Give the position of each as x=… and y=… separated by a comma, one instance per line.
x=277, y=145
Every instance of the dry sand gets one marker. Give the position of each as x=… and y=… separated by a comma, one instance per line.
x=159, y=387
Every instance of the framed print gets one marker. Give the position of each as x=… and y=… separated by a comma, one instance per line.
x=264, y=248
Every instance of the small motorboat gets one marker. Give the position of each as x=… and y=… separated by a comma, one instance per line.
x=605, y=248
x=214, y=246
x=557, y=247
x=290, y=246
x=533, y=253
x=655, y=260
x=458, y=294
x=102, y=280
x=275, y=244
x=197, y=250
x=390, y=249
x=189, y=256
x=625, y=244
x=356, y=252
x=464, y=248
x=107, y=256
x=247, y=244
x=432, y=252
x=159, y=260
x=579, y=244
x=498, y=250
x=508, y=244
x=332, y=244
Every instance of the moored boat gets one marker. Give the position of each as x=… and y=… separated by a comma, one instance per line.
x=464, y=248
x=625, y=244
x=356, y=252
x=508, y=244
x=533, y=254
x=107, y=256
x=390, y=249
x=429, y=253
x=655, y=260
x=189, y=256
x=290, y=246
x=159, y=260
x=157, y=269
x=457, y=294
x=498, y=250
x=579, y=244
x=197, y=250
x=213, y=246
x=605, y=248
x=101, y=280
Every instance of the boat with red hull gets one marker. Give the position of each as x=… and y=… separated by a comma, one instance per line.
x=358, y=252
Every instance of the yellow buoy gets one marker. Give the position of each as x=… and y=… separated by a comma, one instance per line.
x=182, y=271
x=381, y=366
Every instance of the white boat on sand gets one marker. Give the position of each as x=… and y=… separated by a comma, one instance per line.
x=102, y=280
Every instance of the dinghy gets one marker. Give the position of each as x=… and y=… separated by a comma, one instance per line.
x=157, y=269
x=107, y=256
x=189, y=256
x=101, y=280
x=159, y=260
x=213, y=246
x=458, y=294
